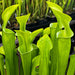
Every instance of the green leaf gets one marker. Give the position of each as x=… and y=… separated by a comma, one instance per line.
x=22, y=20
x=2, y=50
x=45, y=45
x=35, y=33
x=63, y=34
x=8, y=41
x=0, y=33
x=26, y=48
x=24, y=41
x=7, y=14
x=54, y=6
x=64, y=46
x=26, y=62
x=46, y=31
x=26, y=38
x=16, y=60
x=35, y=64
x=53, y=27
x=2, y=65
x=35, y=51
x=54, y=51
x=60, y=51
x=63, y=19
x=54, y=58
x=71, y=69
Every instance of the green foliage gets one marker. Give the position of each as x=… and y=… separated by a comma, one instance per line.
x=6, y=14
x=45, y=45
x=8, y=40
x=54, y=51
x=22, y=21
x=37, y=8
x=50, y=55
x=46, y=31
x=0, y=8
x=60, y=36
x=25, y=43
x=71, y=69
x=2, y=50
x=35, y=65
x=2, y=65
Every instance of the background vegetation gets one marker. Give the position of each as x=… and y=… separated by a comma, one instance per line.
x=37, y=8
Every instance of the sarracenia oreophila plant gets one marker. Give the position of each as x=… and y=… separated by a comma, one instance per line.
x=8, y=40
x=48, y=57
x=61, y=37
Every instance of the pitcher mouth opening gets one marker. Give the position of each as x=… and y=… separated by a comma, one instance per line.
x=25, y=52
